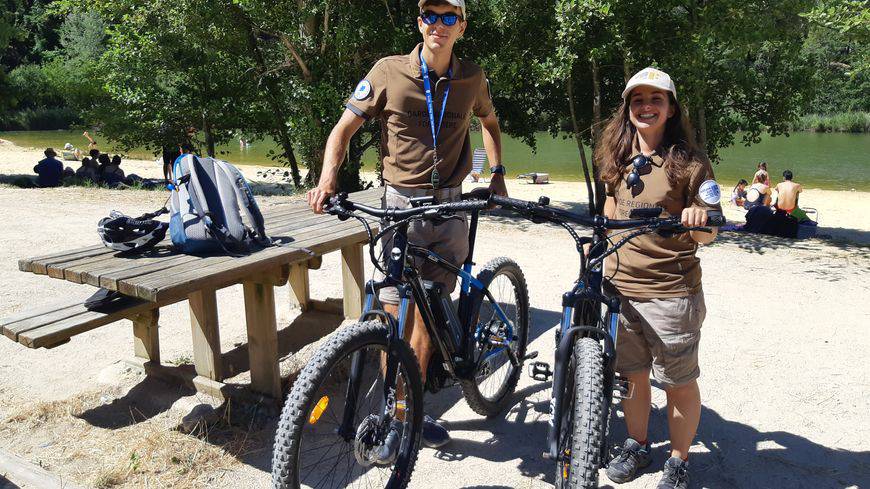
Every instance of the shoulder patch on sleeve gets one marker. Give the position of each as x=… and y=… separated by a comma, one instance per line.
x=709, y=192
x=363, y=90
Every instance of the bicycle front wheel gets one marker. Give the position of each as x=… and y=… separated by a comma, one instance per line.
x=313, y=445
x=580, y=463
x=489, y=389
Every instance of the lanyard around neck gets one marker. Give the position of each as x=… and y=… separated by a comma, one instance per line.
x=427, y=86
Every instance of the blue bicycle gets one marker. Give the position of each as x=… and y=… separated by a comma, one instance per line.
x=362, y=392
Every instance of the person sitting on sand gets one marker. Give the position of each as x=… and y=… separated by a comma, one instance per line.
x=758, y=193
x=787, y=197
x=88, y=171
x=738, y=194
x=71, y=153
x=761, y=174
x=110, y=171
x=49, y=170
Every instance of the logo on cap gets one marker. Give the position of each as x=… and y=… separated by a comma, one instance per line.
x=363, y=90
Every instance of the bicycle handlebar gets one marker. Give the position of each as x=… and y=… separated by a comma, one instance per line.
x=339, y=203
x=542, y=211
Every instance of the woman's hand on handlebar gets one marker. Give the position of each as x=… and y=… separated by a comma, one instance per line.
x=317, y=197
x=693, y=217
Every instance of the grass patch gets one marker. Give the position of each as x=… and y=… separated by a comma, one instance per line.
x=852, y=122
x=147, y=453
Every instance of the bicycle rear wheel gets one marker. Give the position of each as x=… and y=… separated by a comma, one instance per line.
x=489, y=389
x=310, y=449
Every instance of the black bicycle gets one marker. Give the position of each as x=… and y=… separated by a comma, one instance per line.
x=584, y=380
x=364, y=384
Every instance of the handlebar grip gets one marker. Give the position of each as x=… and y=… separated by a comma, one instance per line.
x=509, y=202
x=463, y=205
x=715, y=218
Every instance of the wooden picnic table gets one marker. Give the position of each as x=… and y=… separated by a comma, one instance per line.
x=163, y=276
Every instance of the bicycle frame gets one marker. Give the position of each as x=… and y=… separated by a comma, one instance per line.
x=405, y=277
x=581, y=317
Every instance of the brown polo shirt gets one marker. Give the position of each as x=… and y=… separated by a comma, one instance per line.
x=393, y=92
x=651, y=266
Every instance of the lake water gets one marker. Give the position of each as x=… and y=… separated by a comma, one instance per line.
x=820, y=160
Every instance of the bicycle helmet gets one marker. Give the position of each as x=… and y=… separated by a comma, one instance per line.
x=124, y=233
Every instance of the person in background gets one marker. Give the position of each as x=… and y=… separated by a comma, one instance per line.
x=92, y=145
x=761, y=174
x=49, y=170
x=88, y=171
x=787, y=197
x=738, y=194
x=111, y=172
x=758, y=193
x=71, y=153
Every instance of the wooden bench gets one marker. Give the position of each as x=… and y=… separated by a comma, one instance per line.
x=163, y=276
x=54, y=325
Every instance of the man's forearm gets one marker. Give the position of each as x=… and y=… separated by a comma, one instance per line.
x=491, y=140
x=333, y=156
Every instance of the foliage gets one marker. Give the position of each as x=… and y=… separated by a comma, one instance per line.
x=855, y=122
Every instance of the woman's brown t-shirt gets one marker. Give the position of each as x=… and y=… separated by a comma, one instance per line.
x=651, y=266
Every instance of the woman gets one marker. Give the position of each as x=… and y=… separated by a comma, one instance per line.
x=738, y=193
x=761, y=173
x=657, y=278
x=758, y=194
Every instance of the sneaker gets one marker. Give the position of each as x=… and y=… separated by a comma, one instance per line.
x=434, y=435
x=389, y=451
x=632, y=457
x=675, y=474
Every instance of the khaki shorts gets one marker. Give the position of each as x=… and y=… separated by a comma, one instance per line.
x=662, y=334
x=449, y=239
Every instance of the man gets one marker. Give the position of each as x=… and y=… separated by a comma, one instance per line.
x=787, y=197
x=425, y=146
x=49, y=170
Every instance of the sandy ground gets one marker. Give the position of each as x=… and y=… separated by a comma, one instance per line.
x=785, y=381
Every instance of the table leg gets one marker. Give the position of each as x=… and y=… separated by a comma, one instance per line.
x=146, y=342
x=300, y=293
x=353, y=278
x=262, y=338
x=206, y=337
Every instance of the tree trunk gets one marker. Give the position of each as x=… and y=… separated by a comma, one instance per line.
x=580, y=146
x=209, y=136
x=701, y=125
x=596, y=133
x=280, y=129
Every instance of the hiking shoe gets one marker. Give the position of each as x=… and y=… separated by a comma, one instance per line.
x=675, y=474
x=434, y=435
x=631, y=458
x=389, y=451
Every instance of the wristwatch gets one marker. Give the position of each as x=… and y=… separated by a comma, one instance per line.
x=497, y=170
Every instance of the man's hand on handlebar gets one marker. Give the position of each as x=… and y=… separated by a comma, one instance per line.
x=317, y=196
x=497, y=185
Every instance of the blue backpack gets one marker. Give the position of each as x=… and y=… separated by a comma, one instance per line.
x=208, y=199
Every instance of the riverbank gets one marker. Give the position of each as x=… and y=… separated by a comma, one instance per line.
x=830, y=161
x=80, y=413
x=852, y=122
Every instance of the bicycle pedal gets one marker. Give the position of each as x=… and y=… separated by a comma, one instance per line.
x=530, y=356
x=622, y=388
x=540, y=371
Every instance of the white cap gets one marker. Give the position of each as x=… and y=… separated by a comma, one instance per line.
x=650, y=77
x=68, y=146
x=455, y=3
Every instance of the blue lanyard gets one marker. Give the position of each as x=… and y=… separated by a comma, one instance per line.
x=427, y=86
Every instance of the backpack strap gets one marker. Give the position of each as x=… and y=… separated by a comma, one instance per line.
x=219, y=232
x=248, y=203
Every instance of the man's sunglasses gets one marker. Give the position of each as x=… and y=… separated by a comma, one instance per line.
x=638, y=163
x=448, y=19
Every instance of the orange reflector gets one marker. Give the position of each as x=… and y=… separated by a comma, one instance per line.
x=318, y=410
x=401, y=406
